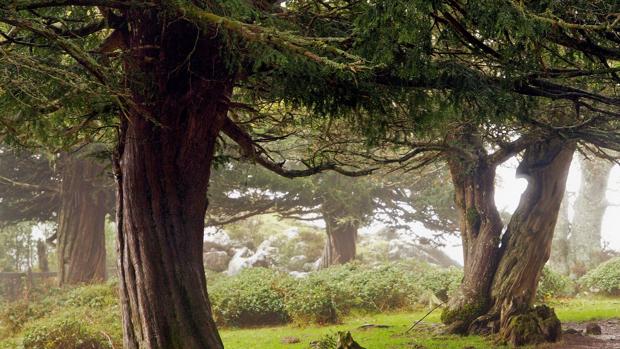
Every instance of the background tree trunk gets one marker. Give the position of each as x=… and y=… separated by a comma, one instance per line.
x=42, y=256
x=341, y=239
x=480, y=226
x=590, y=206
x=526, y=245
x=81, y=222
x=166, y=150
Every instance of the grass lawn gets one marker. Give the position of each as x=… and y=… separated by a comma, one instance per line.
x=570, y=310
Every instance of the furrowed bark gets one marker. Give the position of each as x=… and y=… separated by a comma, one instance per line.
x=480, y=226
x=526, y=246
x=181, y=90
x=341, y=238
x=81, y=222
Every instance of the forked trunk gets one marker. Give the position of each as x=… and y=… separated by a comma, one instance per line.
x=481, y=226
x=180, y=89
x=81, y=222
x=341, y=239
x=526, y=246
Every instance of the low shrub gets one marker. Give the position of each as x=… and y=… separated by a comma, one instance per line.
x=63, y=334
x=314, y=300
x=254, y=296
x=552, y=284
x=603, y=279
x=381, y=288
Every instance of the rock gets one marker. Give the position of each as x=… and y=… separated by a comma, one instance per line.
x=299, y=274
x=216, y=260
x=292, y=233
x=238, y=261
x=593, y=328
x=571, y=331
x=290, y=340
x=218, y=240
x=245, y=258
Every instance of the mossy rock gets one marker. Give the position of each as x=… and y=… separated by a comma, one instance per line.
x=345, y=341
x=539, y=325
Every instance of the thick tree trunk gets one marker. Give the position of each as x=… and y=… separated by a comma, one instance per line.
x=590, y=207
x=341, y=239
x=481, y=227
x=81, y=222
x=526, y=246
x=181, y=90
x=560, y=247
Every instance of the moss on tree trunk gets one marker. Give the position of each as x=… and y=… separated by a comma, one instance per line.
x=526, y=246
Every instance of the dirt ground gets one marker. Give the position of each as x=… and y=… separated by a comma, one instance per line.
x=609, y=338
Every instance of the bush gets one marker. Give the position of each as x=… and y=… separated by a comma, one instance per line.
x=63, y=334
x=253, y=297
x=381, y=288
x=604, y=279
x=314, y=300
x=441, y=282
x=552, y=284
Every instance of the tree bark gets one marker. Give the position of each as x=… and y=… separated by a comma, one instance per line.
x=560, y=246
x=181, y=90
x=480, y=227
x=526, y=246
x=341, y=238
x=590, y=207
x=81, y=222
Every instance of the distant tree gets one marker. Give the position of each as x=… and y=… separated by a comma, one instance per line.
x=345, y=204
x=68, y=189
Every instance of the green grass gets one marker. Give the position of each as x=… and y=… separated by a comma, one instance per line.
x=96, y=308
x=568, y=310
x=585, y=309
x=377, y=338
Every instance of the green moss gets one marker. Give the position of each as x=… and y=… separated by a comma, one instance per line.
x=473, y=217
x=465, y=314
x=538, y=325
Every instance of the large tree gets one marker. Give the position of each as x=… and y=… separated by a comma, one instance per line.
x=170, y=69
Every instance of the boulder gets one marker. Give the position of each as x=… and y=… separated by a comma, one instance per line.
x=216, y=260
x=217, y=240
x=244, y=258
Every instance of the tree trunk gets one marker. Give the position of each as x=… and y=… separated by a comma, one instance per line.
x=42, y=256
x=81, y=222
x=590, y=207
x=181, y=91
x=480, y=226
x=526, y=246
x=560, y=247
x=341, y=239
